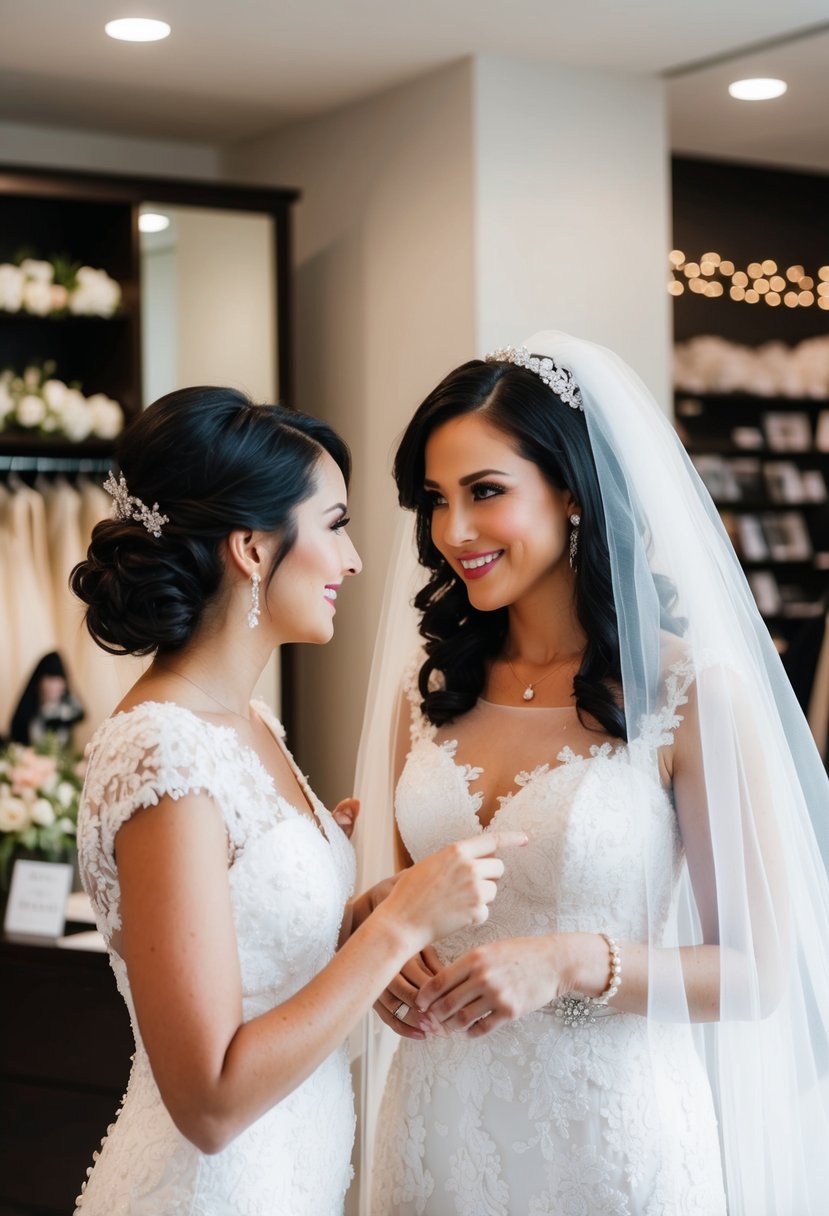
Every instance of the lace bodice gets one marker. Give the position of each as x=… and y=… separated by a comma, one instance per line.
x=592, y=810
x=289, y=875
x=615, y=1119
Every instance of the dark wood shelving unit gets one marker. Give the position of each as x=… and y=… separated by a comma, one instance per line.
x=706, y=422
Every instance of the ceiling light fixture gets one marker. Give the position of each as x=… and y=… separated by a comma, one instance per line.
x=137, y=29
x=757, y=89
x=152, y=221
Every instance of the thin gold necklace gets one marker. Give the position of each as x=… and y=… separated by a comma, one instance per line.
x=181, y=676
x=529, y=687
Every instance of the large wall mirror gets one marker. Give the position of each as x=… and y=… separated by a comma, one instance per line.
x=202, y=274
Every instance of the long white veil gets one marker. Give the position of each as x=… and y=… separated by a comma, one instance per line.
x=760, y=813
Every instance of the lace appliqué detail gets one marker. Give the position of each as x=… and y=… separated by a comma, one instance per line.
x=617, y=1120
x=288, y=882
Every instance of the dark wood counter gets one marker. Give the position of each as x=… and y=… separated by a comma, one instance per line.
x=65, y=1048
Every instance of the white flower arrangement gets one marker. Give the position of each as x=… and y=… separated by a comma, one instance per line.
x=37, y=402
x=710, y=364
x=40, y=789
x=57, y=287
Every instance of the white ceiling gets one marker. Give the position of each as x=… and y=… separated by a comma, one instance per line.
x=234, y=71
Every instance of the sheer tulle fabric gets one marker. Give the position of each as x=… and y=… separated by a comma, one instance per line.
x=756, y=808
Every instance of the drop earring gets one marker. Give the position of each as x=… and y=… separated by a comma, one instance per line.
x=575, y=520
x=253, y=611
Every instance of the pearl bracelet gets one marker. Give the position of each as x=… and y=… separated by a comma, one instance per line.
x=573, y=1009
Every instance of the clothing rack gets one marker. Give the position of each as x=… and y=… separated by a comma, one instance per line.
x=19, y=463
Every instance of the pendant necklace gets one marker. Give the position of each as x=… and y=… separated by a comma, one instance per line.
x=529, y=689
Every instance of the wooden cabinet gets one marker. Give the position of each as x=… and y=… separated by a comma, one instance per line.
x=65, y=1051
x=768, y=477
x=92, y=219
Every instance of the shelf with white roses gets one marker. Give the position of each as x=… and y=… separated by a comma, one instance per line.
x=765, y=462
x=69, y=320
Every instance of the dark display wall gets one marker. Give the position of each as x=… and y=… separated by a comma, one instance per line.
x=765, y=458
x=748, y=215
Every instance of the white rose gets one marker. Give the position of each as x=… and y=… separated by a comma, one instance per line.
x=67, y=826
x=14, y=815
x=65, y=794
x=42, y=813
x=54, y=391
x=31, y=410
x=33, y=268
x=50, y=423
x=107, y=419
x=95, y=294
x=11, y=287
x=76, y=419
x=37, y=297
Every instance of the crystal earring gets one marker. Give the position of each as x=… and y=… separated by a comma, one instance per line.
x=575, y=520
x=253, y=611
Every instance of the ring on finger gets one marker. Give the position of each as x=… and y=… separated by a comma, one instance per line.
x=401, y=1011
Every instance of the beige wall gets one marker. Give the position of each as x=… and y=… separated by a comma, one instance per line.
x=438, y=220
x=66, y=148
x=572, y=209
x=384, y=268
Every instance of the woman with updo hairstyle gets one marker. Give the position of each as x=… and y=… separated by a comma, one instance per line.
x=640, y=1028
x=220, y=883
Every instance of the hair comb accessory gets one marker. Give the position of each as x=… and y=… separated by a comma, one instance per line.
x=127, y=506
x=557, y=378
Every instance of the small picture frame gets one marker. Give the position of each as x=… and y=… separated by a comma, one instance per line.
x=749, y=438
x=784, y=481
x=753, y=544
x=788, y=430
x=766, y=592
x=787, y=536
x=822, y=431
x=719, y=478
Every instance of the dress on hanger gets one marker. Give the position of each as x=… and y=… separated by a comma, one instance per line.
x=541, y=1118
x=290, y=875
x=28, y=589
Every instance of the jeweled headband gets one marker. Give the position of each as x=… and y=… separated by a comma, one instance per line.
x=557, y=378
x=127, y=506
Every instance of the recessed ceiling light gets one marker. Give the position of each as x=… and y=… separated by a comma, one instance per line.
x=137, y=29
x=152, y=221
x=757, y=89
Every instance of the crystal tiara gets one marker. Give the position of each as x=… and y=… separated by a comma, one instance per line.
x=127, y=506
x=557, y=378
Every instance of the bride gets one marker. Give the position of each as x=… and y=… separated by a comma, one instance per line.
x=640, y=1027
x=219, y=881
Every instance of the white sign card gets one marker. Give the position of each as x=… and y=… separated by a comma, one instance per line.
x=37, y=898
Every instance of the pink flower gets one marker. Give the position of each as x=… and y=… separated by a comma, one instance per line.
x=32, y=771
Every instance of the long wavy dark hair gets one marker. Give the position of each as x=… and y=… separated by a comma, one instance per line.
x=459, y=638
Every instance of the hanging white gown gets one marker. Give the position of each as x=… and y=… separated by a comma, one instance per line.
x=538, y=1118
x=27, y=588
x=289, y=880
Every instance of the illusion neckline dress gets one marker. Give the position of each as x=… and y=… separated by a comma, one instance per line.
x=290, y=875
x=539, y=1118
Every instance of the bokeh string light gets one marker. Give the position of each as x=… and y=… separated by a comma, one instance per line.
x=714, y=276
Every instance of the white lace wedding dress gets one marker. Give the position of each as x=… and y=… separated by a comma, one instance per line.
x=289, y=880
x=537, y=1118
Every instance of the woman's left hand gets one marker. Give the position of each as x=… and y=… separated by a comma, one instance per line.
x=345, y=813
x=502, y=980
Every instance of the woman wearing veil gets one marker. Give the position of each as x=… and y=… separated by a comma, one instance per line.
x=642, y=1025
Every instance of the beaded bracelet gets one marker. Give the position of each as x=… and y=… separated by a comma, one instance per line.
x=573, y=1009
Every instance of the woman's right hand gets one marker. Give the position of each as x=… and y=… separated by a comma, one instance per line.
x=450, y=889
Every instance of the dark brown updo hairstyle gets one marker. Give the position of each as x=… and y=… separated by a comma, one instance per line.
x=213, y=461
